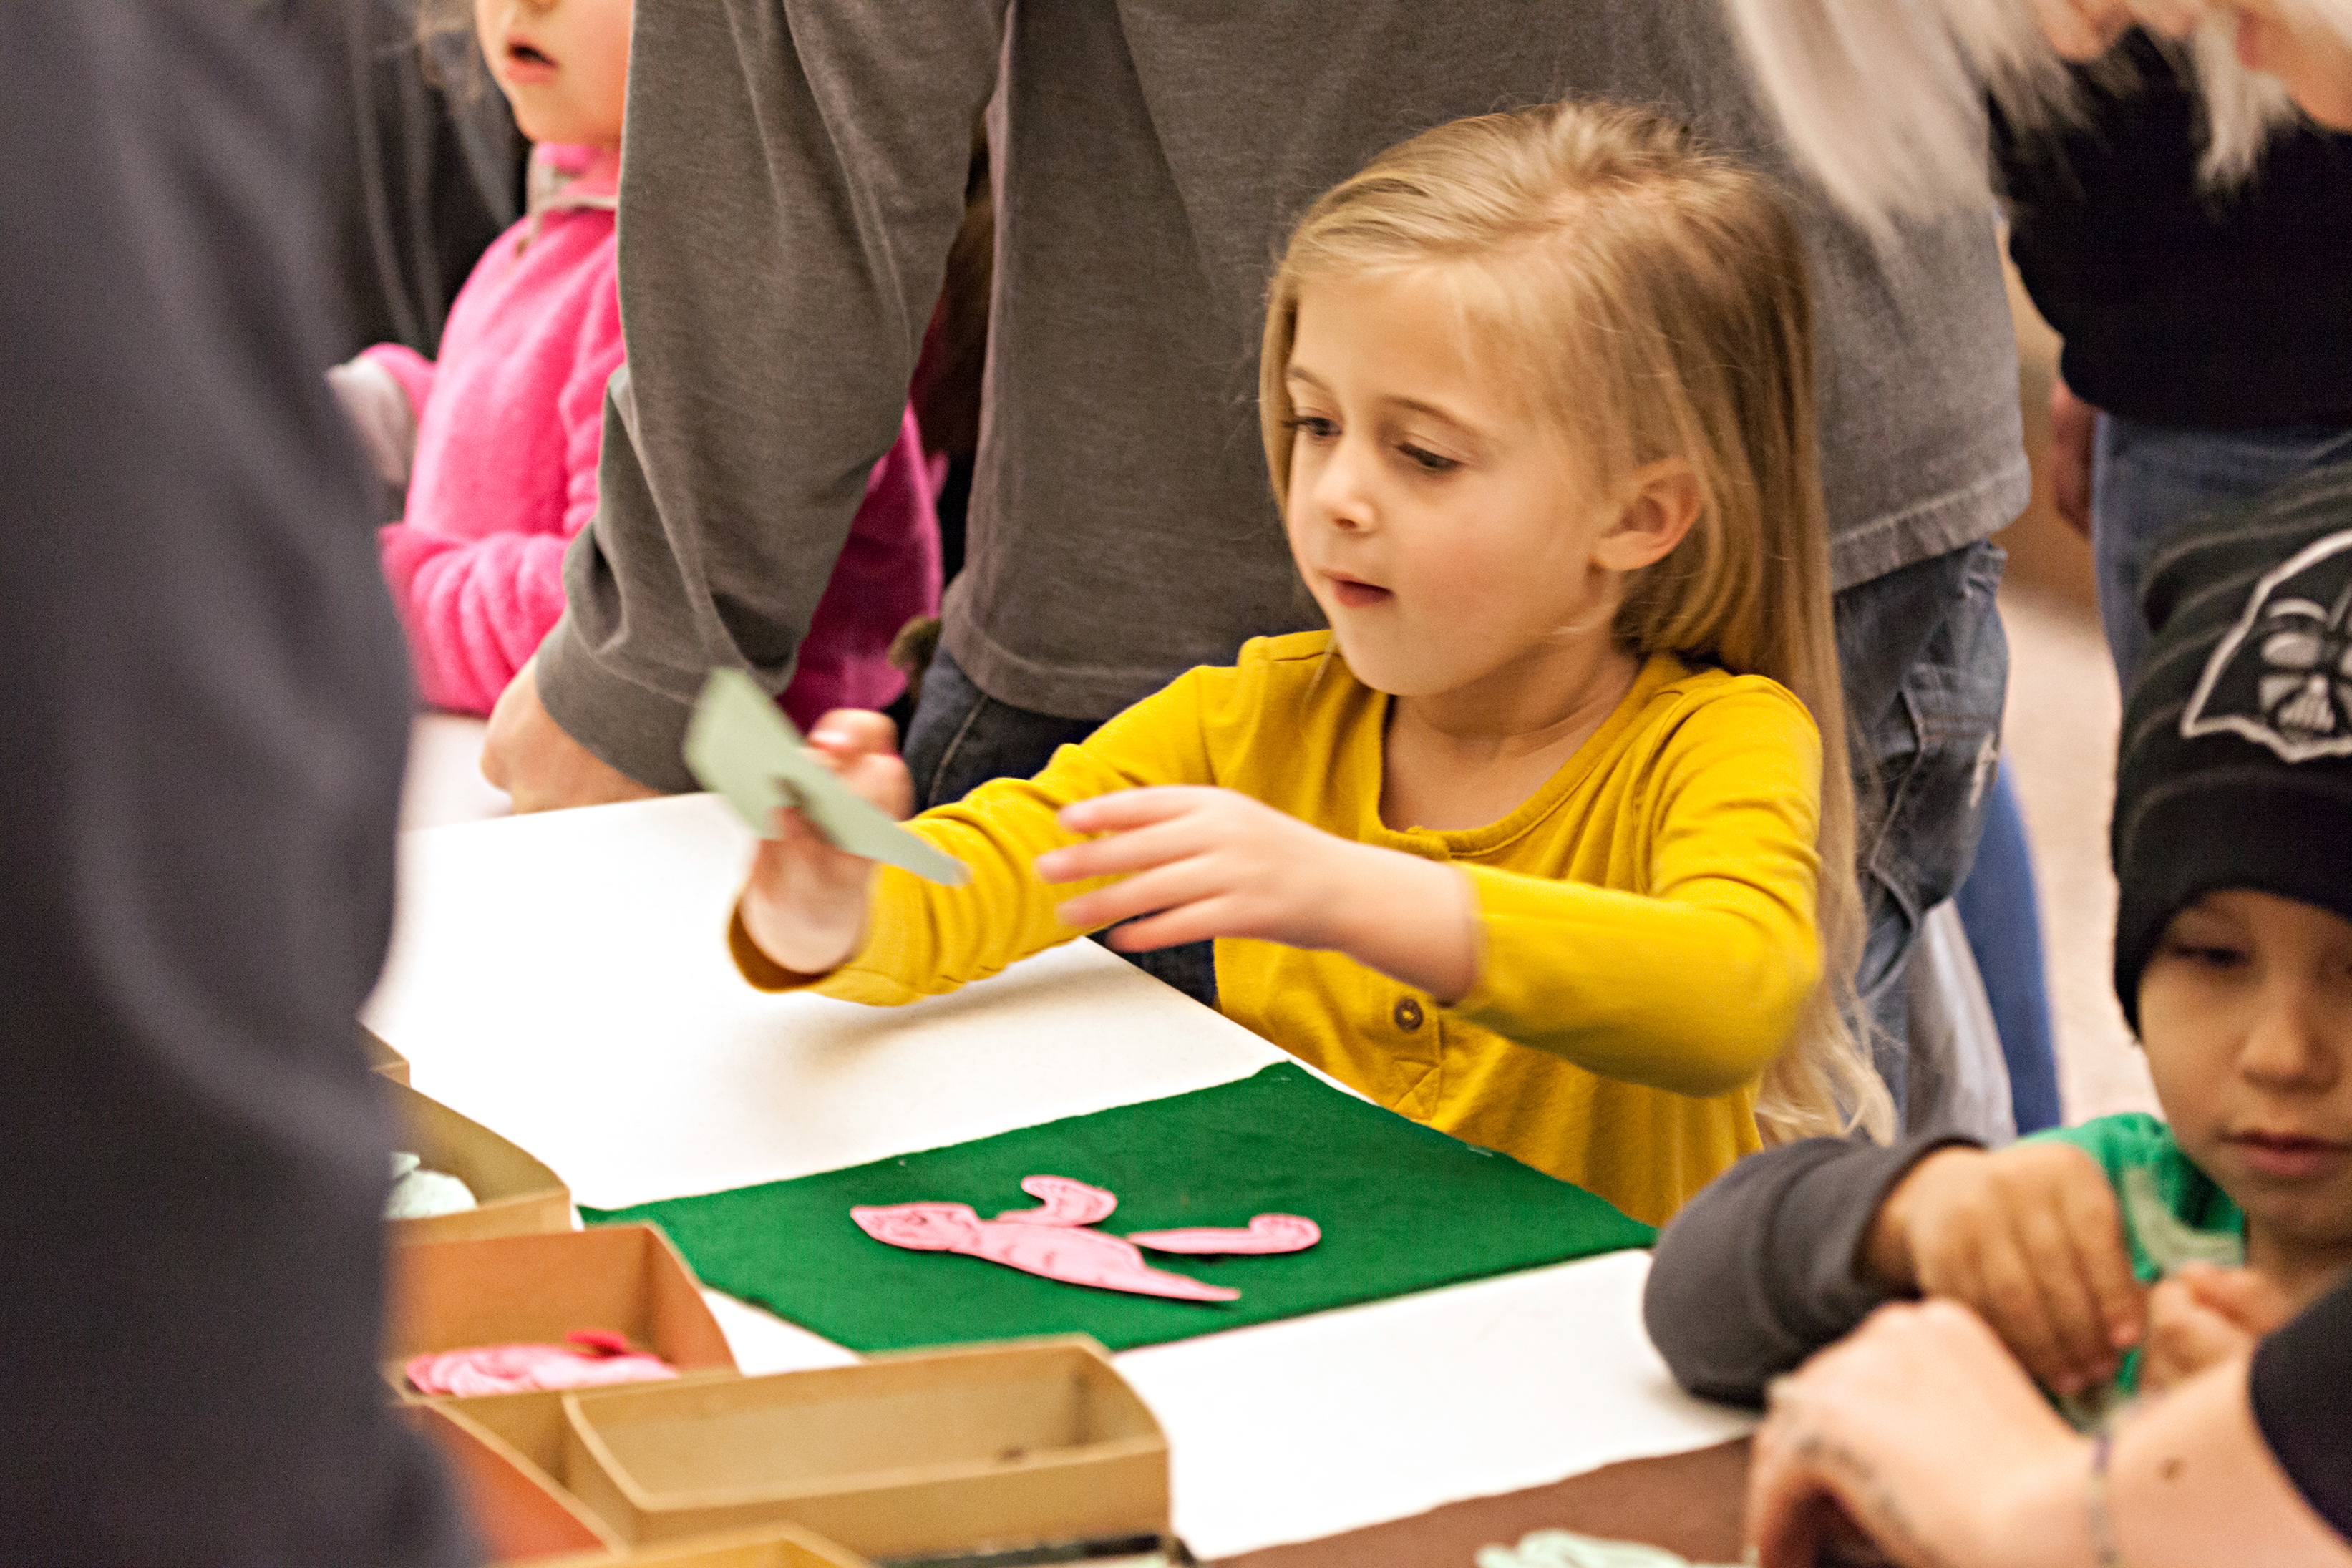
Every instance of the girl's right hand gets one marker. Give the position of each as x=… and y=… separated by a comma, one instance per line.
x=2031, y=1239
x=805, y=903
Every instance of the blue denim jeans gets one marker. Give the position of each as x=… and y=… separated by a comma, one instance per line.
x=961, y=737
x=1926, y=668
x=2148, y=479
x=2001, y=912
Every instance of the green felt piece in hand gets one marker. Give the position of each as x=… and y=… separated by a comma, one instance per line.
x=2165, y=1238
x=1564, y=1549
x=1401, y=1207
x=739, y=746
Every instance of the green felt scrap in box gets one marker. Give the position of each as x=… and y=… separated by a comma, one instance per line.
x=1403, y=1209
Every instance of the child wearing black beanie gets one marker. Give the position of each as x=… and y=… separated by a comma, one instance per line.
x=2232, y=845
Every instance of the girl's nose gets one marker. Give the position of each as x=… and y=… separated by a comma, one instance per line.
x=1343, y=494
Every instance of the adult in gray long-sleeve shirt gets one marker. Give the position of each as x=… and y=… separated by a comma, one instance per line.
x=793, y=178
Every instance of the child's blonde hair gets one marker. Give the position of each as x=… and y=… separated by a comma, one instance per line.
x=1653, y=297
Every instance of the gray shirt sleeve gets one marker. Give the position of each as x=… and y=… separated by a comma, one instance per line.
x=1758, y=1271
x=792, y=175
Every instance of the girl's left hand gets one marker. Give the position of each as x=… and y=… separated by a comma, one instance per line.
x=1200, y=862
x=1205, y=862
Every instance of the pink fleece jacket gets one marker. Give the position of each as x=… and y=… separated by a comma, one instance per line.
x=508, y=426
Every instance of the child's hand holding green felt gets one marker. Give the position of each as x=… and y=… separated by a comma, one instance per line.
x=805, y=903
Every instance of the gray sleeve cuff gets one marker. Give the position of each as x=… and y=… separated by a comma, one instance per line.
x=1761, y=1270
x=632, y=727
x=378, y=407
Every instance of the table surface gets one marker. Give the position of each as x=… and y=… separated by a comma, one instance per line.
x=564, y=979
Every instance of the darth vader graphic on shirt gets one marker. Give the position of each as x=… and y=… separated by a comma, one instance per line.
x=2282, y=676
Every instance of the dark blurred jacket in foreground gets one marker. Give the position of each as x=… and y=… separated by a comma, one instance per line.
x=205, y=711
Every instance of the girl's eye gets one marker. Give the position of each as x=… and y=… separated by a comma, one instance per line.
x=1426, y=461
x=1313, y=426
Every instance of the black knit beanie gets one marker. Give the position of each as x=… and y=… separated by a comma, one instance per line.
x=2236, y=762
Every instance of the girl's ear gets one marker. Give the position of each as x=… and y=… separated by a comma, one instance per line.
x=1659, y=501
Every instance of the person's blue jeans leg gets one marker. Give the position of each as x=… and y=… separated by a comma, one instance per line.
x=961, y=737
x=1925, y=669
x=1999, y=911
x=2148, y=479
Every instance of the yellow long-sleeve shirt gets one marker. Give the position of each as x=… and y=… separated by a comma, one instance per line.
x=1646, y=917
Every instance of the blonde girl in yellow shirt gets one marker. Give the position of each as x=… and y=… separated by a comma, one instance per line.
x=1535, y=844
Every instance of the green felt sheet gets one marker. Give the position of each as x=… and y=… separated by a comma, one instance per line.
x=1403, y=1209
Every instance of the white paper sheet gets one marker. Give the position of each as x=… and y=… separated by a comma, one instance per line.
x=445, y=782
x=564, y=979
x=1299, y=1430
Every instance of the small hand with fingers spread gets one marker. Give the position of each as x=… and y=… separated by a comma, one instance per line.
x=2201, y=1316
x=2031, y=1239
x=805, y=902
x=1199, y=862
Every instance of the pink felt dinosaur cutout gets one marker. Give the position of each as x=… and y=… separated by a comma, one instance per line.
x=1068, y=1202
x=1266, y=1233
x=1072, y=1254
x=1053, y=1240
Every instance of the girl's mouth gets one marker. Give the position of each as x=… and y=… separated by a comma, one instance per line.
x=2290, y=1157
x=1355, y=594
x=526, y=59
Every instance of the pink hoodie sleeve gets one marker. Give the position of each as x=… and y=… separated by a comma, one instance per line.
x=476, y=608
x=412, y=370
x=580, y=404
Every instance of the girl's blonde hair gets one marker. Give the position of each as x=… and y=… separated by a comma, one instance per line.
x=1885, y=102
x=1653, y=297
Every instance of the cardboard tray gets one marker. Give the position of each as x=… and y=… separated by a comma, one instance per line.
x=782, y=1547
x=504, y=1449
x=983, y=1447
x=505, y=1289
x=519, y=1196
x=521, y=1515
x=381, y=1057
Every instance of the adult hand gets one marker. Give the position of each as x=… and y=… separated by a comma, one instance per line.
x=1202, y=863
x=2030, y=1237
x=2074, y=427
x=1919, y=1430
x=536, y=761
x=2082, y=29
x=805, y=902
x=2202, y=1316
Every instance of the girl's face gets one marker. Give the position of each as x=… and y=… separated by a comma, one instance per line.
x=2246, y=1013
x=563, y=64
x=1445, y=529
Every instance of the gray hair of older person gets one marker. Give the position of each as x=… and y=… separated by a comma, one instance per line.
x=1885, y=100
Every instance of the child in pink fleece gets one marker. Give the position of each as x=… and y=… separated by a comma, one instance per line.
x=505, y=428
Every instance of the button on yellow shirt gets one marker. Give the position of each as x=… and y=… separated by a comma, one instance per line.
x=1646, y=917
